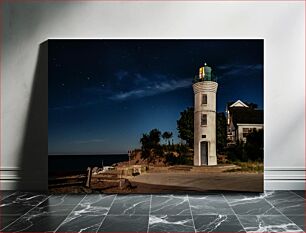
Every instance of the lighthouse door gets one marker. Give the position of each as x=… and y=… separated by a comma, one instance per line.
x=204, y=153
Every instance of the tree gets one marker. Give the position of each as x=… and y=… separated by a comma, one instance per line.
x=254, y=145
x=251, y=150
x=145, y=146
x=154, y=137
x=167, y=136
x=221, y=131
x=236, y=152
x=185, y=126
x=251, y=105
x=150, y=146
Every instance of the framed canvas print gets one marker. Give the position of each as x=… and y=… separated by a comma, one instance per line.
x=155, y=116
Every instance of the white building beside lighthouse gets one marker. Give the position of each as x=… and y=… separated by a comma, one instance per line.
x=205, y=90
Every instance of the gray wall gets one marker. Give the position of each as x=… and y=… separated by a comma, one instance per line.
x=24, y=70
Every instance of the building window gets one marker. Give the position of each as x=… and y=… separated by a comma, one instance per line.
x=203, y=136
x=245, y=132
x=204, y=99
x=204, y=119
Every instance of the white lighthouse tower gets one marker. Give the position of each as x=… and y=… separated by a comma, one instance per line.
x=205, y=90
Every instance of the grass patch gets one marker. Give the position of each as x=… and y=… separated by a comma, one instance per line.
x=254, y=167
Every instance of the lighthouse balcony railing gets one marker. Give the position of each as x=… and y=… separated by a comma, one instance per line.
x=198, y=78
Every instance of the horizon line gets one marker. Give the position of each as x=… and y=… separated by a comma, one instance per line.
x=89, y=154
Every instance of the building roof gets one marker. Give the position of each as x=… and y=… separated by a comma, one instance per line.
x=246, y=115
x=239, y=103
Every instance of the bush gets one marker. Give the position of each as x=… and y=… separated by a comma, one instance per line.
x=173, y=159
x=254, y=146
x=235, y=152
x=252, y=150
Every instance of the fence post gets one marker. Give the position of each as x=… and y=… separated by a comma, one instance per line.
x=89, y=169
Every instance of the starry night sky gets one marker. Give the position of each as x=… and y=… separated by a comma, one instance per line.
x=104, y=94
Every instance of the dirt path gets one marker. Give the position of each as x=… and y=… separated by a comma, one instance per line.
x=248, y=182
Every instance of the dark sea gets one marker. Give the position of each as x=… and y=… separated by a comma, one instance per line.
x=76, y=164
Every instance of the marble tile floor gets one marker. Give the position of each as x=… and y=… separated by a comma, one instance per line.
x=272, y=211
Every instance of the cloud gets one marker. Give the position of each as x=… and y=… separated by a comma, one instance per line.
x=68, y=107
x=121, y=74
x=95, y=94
x=127, y=86
x=139, y=79
x=62, y=107
x=152, y=87
x=97, y=140
x=239, y=67
x=229, y=70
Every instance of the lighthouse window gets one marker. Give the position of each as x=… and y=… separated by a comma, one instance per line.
x=204, y=99
x=204, y=119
